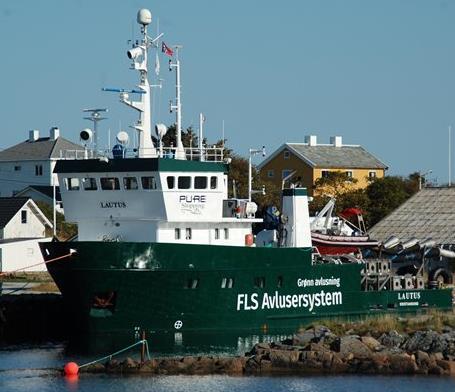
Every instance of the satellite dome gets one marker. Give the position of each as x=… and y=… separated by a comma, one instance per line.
x=122, y=138
x=144, y=17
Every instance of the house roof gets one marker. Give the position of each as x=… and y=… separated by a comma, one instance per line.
x=329, y=156
x=9, y=206
x=41, y=149
x=46, y=190
x=430, y=213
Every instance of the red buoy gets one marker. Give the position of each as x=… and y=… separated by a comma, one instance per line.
x=71, y=369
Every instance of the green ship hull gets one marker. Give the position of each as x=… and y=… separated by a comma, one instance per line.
x=119, y=287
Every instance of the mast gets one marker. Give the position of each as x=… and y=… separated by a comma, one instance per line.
x=138, y=54
x=179, y=150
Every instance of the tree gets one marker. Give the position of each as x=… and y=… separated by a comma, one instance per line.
x=335, y=184
x=64, y=230
x=385, y=195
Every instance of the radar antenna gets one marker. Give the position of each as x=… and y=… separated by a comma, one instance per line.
x=95, y=117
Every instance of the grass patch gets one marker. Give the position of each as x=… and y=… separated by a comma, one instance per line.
x=377, y=325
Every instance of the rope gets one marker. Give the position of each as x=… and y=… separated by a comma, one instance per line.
x=119, y=352
x=42, y=262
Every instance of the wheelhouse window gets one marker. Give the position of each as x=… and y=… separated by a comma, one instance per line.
x=200, y=182
x=184, y=182
x=72, y=183
x=170, y=182
x=188, y=233
x=110, y=183
x=213, y=182
x=150, y=182
x=130, y=183
x=217, y=233
x=89, y=184
x=226, y=233
x=177, y=233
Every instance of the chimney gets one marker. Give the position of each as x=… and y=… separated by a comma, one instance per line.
x=311, y=140
x=337, y=141
x=54, y=133
x=33, y=135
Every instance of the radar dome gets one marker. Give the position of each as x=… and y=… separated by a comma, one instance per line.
x=144, y=17
x=122, y=138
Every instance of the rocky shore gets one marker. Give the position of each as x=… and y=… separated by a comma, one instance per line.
x=315, y=350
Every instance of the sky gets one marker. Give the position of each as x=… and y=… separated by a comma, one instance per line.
x=380, y=74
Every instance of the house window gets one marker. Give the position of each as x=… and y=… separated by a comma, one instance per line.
x=325, y=173
x=270, y=173
x=200, y=182
x=184, y=182
x=130, y=183
x=286, y=154
x=226, y=233
x=89, y=184
x=110, y=184
x=72, y=183
x=17, y=168
x=188, y=233
x=285, y=173
x=38, y=170
x=349, y=175
x=371, y=175
x=217, y=234
x=24, y=216
x=177, y=233
x=170, y=182
x=150, y=183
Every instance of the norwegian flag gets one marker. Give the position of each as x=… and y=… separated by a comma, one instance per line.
x=166, y=50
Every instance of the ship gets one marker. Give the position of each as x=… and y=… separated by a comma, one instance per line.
x=161, y=248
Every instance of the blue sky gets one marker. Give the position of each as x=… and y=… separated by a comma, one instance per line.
x=379, y=73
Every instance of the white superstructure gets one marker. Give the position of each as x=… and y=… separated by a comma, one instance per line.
x=165, y=194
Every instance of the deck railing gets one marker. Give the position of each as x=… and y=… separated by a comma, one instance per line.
x=211, y=154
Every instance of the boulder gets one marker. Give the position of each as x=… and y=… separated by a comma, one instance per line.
x=391, y=339
x=314, y=334
x=370, y=342
x=284, y=358
x=351, y=345
x=403, y=364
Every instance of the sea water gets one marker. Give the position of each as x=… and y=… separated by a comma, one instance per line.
x=39, y=369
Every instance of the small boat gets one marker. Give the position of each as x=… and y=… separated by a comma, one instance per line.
x=335, y=235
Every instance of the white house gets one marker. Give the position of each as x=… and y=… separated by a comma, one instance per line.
x=32, y=161
x=43, y=193
x=22, y=226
